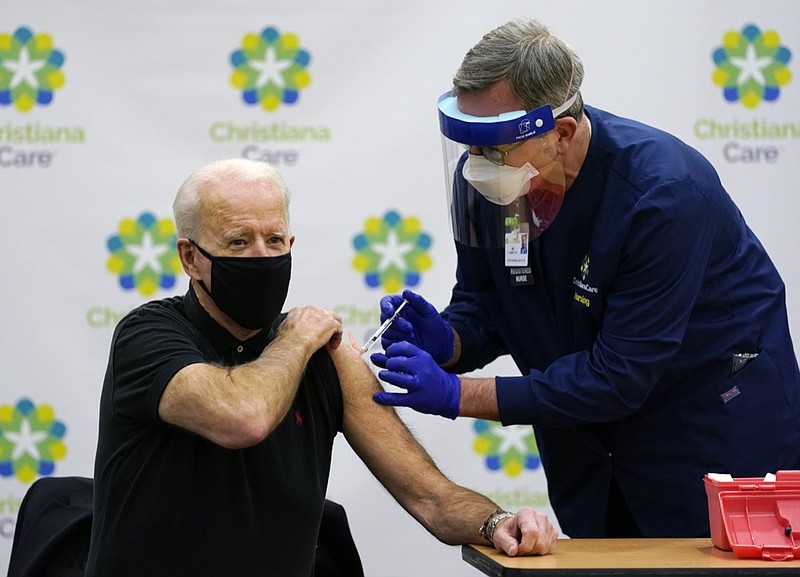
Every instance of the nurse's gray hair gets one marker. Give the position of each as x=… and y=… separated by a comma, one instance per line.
x=187, y=206
x=540, y=68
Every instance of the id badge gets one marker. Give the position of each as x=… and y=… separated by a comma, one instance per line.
x=516, y=242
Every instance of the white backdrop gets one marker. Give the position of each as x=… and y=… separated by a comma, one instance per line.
x=144, y=95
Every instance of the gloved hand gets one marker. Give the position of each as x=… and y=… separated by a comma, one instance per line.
x=430, y=389
x=419, y=323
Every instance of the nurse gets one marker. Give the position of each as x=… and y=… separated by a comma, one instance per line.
x=605, y=257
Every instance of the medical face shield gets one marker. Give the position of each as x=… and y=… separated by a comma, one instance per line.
x=492, y=204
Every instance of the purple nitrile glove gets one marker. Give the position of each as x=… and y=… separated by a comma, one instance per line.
x=419, y=323
x=429, y=388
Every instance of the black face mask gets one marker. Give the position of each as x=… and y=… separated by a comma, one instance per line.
x=250, y=290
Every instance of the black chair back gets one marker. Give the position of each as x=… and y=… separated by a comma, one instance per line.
x=54, y=527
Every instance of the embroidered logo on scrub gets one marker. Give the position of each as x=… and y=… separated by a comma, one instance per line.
x=392, y=252
x=511, y=449
x=30, y=69
x=751, y=66
x=730, y=394
x=30, y=440
x=582, y=286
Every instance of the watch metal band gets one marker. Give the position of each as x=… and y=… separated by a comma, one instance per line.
x=490, y=524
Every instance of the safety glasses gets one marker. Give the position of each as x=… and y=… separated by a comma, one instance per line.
x=497, y=156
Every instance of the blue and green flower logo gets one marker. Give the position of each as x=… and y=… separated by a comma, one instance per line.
x=392, y=252
x=143, y=254
x=30, y=69
x=585, y=267
x=270, y=69
x=30, y=440
x=509, y=449
x=751, y=66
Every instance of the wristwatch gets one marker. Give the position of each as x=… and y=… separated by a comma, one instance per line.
x=487, y=529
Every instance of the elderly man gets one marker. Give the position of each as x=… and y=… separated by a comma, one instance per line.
x=647, y=321
x=218, y=413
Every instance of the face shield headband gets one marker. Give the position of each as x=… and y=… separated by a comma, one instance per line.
x=505, y=128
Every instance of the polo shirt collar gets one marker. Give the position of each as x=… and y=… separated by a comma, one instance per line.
x=220, y=339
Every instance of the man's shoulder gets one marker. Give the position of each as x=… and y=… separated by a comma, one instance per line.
x=166, y=307
x=623, y=132
x=644, y=155
x=155, y=315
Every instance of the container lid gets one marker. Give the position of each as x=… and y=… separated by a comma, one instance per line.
x=762, y=524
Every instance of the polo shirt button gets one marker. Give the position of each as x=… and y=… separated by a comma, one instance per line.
x=239, y=349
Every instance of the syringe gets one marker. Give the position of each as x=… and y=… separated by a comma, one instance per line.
x=383, y=328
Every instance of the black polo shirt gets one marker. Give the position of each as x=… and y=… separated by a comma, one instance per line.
x=169, y=502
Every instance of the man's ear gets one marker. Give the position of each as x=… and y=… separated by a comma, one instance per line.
x=187, y=252
x=566, y=127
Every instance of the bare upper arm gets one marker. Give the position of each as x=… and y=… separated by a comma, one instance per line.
x=379, y=437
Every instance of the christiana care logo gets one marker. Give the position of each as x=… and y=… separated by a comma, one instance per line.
x=270, y=69
x=30, y=441
x=143, y=254
x=30, y=74
x=392, y=252
x=751, y=66
x=30, y=69
x=510, y=449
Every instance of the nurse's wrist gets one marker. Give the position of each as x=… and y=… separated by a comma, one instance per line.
x=456, y=355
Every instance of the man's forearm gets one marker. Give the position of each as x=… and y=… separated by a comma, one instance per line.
x=236, y=407
x=276, y=376
x=464, y=516
x=479, y=399
x=458, y=515
x=478, y=395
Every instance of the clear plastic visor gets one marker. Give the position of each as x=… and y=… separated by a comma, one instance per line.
x=476, y=220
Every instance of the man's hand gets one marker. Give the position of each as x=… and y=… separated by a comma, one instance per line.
x=429, y=388
x=315, y=326
x=528, y=532
x=419, y=323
